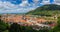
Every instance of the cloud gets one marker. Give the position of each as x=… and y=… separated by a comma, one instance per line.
x=24, y=3
x=7, y=7
x=35, y=1
x=46, y=2
x=57, y=2
x=25, y=6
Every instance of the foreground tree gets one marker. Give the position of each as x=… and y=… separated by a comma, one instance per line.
x=3, y=25
x=57, y=28
x=15, y=28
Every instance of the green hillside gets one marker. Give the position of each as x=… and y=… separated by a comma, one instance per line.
x=50, y=9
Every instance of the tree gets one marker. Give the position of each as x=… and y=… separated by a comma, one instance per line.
x=3, y=25
x=57, y=28
x=15, y=28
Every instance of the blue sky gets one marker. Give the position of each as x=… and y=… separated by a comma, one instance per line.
x=20, y=1
x=20, y=6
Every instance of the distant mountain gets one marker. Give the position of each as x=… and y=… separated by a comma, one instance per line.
x=48, y=9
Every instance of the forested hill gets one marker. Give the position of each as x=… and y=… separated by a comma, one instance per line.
x=49, y=7
x=46, y=10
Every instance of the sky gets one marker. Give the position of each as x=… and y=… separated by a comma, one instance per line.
x=21, y=6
